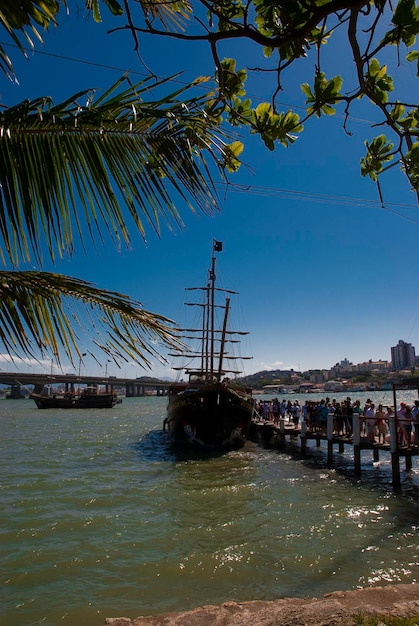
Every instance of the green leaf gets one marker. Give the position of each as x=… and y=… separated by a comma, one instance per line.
x=275, y=127
x=305, y=87
x=240, y=112
x=406, y=20
x=232, y=152
x=378, y=81
x=324, y=94
x=236, y=148
x=379, y=152
x=231, y=81
x=412, y=164
x=404, y=13
x=414, y=56
x=114, y=7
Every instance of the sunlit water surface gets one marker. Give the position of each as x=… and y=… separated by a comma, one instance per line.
x=100, y=517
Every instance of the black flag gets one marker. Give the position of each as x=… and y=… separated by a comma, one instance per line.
x=218, y=246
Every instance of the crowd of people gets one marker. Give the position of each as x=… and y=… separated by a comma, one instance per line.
x=373, y=420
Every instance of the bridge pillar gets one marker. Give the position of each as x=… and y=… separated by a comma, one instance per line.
x=15, y=392
x=132, y=390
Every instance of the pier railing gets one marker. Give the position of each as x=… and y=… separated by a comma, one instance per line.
x=277, y=434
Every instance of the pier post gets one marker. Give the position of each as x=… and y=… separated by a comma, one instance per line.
x=330, y=439
x=303, y=437
x=267, y=433
x=282, y=432
x=408, y=461
x=395, y=458
x=356, y=433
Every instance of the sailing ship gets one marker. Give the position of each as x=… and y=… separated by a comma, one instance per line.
x=87, y=398
x=208, y=410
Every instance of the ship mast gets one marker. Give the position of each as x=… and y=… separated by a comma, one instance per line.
x=210, y=369
x=217, y=246
x=223, y=340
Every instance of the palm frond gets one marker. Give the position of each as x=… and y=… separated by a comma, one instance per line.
x=172, y=15
x=48, y=313
x=25, y=20
x=76, y=167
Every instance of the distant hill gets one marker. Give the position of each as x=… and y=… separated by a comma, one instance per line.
x=265, y=377
x=256, y=381
x=150, y=379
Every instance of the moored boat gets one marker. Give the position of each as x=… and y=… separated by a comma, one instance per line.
x=87, y=398
x=209, y=410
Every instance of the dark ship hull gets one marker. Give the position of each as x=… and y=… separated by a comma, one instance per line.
x=75, y=401
x=212, y=416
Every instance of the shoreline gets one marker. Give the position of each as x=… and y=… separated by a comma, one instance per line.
x=337, y=608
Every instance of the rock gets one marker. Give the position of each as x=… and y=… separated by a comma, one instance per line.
x=333, y=609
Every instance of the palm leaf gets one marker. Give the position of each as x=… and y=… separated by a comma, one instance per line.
x=25, y=19
x=42, y=312
x=94, y=167
x=171, y=15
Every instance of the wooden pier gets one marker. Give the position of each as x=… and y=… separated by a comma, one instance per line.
x=279, y=434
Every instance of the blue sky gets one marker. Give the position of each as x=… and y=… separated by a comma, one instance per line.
x=324, y=273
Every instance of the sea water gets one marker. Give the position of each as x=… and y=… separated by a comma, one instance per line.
x=101, y=517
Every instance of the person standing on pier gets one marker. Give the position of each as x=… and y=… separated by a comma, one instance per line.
x=296, y=413
x=415, y=422
x=408, y=425
x=369, y=414
x=304, y=411
x=358, y=410
x=404, y=418
x=338, y=419
x=283, y=409
x=381, y=424
x=275, y=411
x=347, y=412
x=322, y=412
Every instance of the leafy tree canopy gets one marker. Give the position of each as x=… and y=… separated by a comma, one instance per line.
x=379, y=37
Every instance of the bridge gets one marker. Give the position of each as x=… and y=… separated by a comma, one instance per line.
x=134, y=387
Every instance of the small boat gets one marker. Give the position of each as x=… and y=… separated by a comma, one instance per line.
x=87, y=398
x=209, y=410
